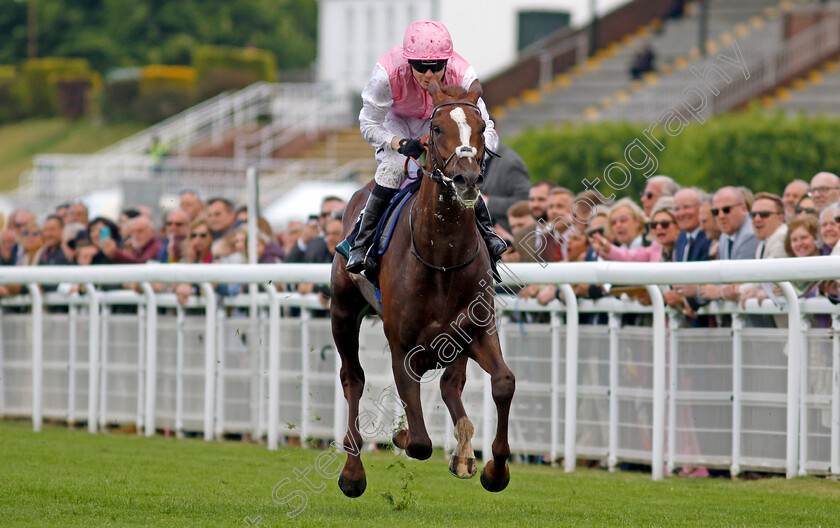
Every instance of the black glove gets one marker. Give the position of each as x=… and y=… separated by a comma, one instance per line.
x=411, y=148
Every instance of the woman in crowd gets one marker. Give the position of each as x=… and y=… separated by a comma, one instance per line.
x=830, y=229
x=196, y=251
x=664, y=230
x=805, y=207
x=31, y=240
x=101, y=227
x=625, y=224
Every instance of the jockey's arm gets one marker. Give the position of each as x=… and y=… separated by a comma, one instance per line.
x=376, y=101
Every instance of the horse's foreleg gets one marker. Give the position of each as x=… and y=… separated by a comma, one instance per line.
x=415, y=441
x=352, y=480
x=496, y=475
x=462, y=463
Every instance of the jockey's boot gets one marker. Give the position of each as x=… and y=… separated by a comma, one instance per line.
x=495, y=245
x=377, y=202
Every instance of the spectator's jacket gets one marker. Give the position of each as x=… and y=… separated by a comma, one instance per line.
x=699, y=249
x=130, y=256
x=506, y=181
x=651, y=253
x=52, y=256
x=273, y=253
x=744, y=243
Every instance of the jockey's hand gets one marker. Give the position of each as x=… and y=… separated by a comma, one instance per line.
x=411, y=148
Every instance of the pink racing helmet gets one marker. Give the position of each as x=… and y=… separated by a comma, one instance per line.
x=428, y=41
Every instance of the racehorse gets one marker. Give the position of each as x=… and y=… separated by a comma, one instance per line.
x=436, y=298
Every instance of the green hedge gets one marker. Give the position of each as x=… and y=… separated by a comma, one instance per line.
x=39, y=78
x=261, y=64
x=761, y=151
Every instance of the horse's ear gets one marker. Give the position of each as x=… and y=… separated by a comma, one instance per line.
x=475, y=91
x=434, y=90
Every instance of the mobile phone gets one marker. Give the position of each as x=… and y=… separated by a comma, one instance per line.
x=104, y=232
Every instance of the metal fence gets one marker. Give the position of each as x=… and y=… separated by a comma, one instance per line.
x=736, y=397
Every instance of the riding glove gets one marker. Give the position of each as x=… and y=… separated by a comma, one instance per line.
x=412, y=148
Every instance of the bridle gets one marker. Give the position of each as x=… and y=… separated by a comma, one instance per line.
x=438, y=176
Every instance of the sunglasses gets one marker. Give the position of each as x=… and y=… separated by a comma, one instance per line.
x=810, y=210
x=33, y=233
x=665, y=224
x=199, y=235
x=619, y=220
x=423, y=66
x=726, y=210
x=647, y=195
x=763, y=214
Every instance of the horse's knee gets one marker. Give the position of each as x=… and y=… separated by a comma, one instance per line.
x=504, y=386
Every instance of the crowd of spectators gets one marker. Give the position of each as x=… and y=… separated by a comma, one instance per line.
x=674, y=224
x=197, y=231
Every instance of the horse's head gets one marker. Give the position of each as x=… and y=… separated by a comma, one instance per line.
x=456, y=141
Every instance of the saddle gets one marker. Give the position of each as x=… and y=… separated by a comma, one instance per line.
x=385, y=228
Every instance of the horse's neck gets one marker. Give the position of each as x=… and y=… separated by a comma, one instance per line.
x=444, y=220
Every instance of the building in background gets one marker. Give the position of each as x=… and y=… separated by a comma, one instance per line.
x=353, y=34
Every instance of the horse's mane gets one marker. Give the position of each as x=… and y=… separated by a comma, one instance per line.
x=455, y=91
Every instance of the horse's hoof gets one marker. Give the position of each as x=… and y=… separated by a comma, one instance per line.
x=352, y=488
x=490, y=485
x=400, y=439
x=462, y=467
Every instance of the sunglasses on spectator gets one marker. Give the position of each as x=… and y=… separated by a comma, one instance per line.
x=620, y=219
x=33, y=233
x=648, y=194
x=822, y=189
x=726, y=210
x=422, y=66
x=810, y=210
x=199, y=235
x=665, y=224
x=325, y=214
x=763, y=214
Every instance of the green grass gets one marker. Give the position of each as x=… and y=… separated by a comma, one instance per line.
x=70, y=478
x=19, y=142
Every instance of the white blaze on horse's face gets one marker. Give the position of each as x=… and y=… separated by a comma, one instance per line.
x=465, y=150
x=465, y=131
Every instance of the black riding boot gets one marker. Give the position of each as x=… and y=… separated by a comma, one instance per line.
x=377, y=202
x=495, y=244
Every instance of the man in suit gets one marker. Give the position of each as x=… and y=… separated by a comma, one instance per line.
x=768, y=220
x=737, y=241
x=506, y=181
x=692, y=246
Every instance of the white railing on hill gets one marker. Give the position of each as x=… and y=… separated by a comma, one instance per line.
x=764, y=398
x=64, y=177
x=287, y=109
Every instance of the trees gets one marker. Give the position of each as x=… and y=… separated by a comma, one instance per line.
x=116, y=33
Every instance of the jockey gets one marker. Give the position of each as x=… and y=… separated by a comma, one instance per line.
x=395, y=115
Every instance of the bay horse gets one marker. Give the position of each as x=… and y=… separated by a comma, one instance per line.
x=436, y=298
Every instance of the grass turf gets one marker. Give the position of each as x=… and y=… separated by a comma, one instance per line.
x=19, y=142
x=68, y=478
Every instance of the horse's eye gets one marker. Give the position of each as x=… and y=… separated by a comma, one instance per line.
x=436, y=129
x=483, y=128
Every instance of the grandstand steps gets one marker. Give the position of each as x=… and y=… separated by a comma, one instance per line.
x=602, y=88
x=815, y=93
x=223, y=148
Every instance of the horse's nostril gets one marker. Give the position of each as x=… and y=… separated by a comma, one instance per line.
x=479, y=181
x=460, y=181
